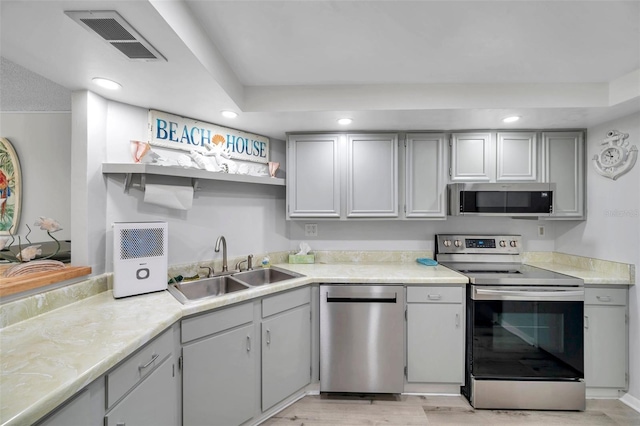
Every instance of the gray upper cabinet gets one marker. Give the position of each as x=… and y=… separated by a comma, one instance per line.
x=471, y=159
x=563, y=154
x=516, y=156
x=313, y=176
x=494, y=157
x=342, y=176
x=372, y=175
x=424, y=181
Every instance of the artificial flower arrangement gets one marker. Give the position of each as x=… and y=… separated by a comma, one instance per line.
x=31, y=251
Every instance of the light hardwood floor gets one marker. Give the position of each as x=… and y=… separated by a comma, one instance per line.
x=438, y=410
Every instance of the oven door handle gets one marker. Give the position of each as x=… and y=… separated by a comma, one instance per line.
x=526, y=295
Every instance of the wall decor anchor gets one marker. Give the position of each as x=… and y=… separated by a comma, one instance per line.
x=616, y=157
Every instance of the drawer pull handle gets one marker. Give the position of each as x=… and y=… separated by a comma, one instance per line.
x=604, y=298
x=120, y=424
x=586, y=322
x=268, y=337
x=434, y=296
x=153, y=358
x=248, y=343
x=457, y=320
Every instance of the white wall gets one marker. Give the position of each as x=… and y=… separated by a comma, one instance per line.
x=43, y=143
x=250, y=216
x=415, y=235
x=612, y=228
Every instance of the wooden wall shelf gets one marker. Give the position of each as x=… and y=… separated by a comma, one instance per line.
x=22, y=283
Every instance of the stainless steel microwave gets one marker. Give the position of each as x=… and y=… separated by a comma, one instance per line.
x=501, y=199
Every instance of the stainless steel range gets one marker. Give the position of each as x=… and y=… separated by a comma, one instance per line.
x=524, y=326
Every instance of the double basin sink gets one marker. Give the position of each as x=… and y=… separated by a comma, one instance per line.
x=229, y=283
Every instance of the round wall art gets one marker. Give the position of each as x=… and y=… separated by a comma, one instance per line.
x=10, y=188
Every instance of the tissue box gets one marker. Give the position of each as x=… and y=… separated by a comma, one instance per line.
x=302, y=258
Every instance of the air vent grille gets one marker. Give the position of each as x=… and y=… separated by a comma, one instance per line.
x=108, y=29
x=134, y=50
x=112, y=28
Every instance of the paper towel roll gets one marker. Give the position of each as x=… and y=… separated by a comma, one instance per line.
x=171, y=196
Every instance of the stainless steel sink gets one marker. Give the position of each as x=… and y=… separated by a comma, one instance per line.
x=206, y=287
x=259, y=277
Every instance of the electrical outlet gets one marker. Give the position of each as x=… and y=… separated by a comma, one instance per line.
x=310, y=229
x=540, y=231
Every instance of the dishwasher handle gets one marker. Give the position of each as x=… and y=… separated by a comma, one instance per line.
x=369, y=298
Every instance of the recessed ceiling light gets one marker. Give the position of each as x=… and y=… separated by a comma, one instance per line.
x=511, y=119
x=229, y=114
x=345, y=121
x=106, y=83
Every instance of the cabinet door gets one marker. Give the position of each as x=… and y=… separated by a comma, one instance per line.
x=516, y=156
x=313, y=176
x=564, y=166
x=286, y=355
x=425, y=188
x=372, y=175
x=218, y=379
x=154, y=402
x=75, y=412
x=471, y=159
x=605, y=346
x=435, y=343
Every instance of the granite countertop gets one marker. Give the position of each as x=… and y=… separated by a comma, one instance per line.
x=48, y=358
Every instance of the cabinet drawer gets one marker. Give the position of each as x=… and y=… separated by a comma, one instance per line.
x=605, y=296
x=214, y=322
x=282, y=302
x=138, y=366
x=451, y=294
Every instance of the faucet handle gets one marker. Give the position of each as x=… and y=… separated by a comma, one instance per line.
x=210, y=273
x=239, y=265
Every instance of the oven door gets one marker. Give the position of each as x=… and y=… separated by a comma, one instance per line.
x=525, y=333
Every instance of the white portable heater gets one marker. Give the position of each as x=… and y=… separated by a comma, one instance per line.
x=139, y=257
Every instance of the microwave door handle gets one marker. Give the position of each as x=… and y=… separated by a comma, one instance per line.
x=537, y=295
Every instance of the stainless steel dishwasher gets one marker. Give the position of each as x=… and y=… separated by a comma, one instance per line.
x=361, y=338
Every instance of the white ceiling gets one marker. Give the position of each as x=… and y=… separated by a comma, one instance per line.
x=299, y=65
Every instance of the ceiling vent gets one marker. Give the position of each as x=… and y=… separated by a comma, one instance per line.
x=112, y=28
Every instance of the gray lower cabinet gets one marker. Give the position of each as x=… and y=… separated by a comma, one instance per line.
x=153, y=402
x=286, y=346
x=605, y=340
x=144, y=389
x=435, y=335
x=218, y=370
x=84, y=409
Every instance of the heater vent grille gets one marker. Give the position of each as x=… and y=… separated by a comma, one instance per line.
x=137, y=243
x=113, y=29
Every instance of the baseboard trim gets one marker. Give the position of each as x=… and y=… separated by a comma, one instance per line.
x=631, y=401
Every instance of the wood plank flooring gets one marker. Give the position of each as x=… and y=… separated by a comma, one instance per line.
x=438, y=410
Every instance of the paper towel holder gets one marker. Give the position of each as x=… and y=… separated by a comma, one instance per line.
x=128, y=182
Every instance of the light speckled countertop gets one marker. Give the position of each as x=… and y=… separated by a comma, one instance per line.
x=48, y=358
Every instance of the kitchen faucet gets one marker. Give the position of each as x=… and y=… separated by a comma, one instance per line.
x=224, y=252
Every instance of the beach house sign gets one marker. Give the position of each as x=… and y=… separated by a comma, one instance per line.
x=172, y=131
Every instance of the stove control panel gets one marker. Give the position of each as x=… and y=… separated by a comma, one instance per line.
x=485, y=244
